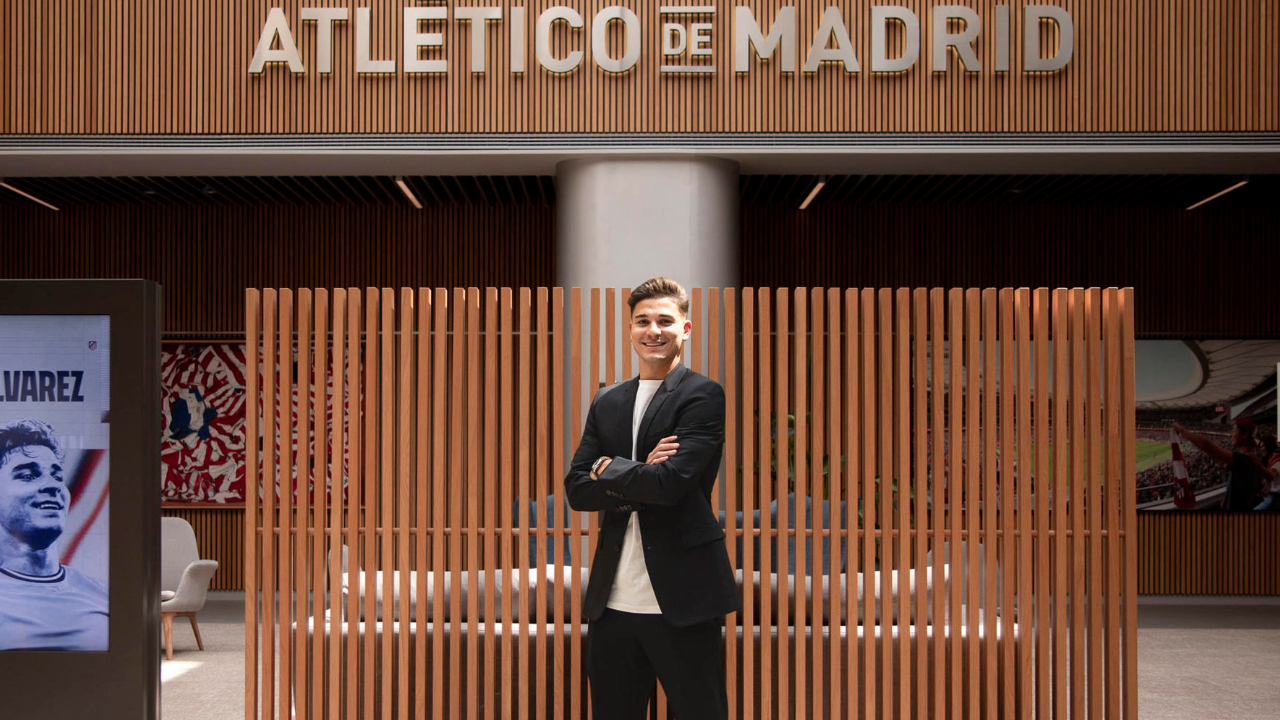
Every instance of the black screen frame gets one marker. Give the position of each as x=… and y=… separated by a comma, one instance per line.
x=124, y=681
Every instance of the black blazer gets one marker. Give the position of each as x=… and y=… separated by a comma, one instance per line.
x=683, y=538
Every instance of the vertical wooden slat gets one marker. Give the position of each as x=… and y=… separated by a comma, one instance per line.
x=920, y=435
x=972, y=495
x=473, y=490
x=729, y=485
x=610, y=336
x=425, y=431
x=1023, y=500
x=302, y=524
x=749, y=621
x=783, y=466
x=575, y=518
x=1042, y=478
x=817, y=493
x=387, y=493
x=885, y=495
x=372, y=483
x=506, y=467
x=1093, y=499
x=938, y=505
x=1061, y=490
x=539, y=422
x=624, y=311
x=593, y=386
x=873, y=633
x=493, y=530
x=1008, y=512
x=1128, y=432
x=439, y=500
x=253, y=483
x=1113, y=486
x=404, y=443
x=955, y=491
x=904, y=492
x=287, y=478
x=270, y=412
x=355, y=493
x=556, y=338
x=765, y=417
x=1079, y=550
x=799, y=391
x=457, y=497
x=842, y=631
x=694, y=343
x=524, y=312
x=856, y=533
x=338, y=625
x=990, y=501
x=319, y=434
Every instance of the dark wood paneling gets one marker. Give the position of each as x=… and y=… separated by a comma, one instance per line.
x=1209, y=553
x=1201, y=274
x=205, y=257
x=143, y=66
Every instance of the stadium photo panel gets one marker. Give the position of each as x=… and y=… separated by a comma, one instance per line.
x=1206, y=425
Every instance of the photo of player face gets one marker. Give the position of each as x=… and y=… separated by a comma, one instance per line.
x=55, y=510
x=33, y=497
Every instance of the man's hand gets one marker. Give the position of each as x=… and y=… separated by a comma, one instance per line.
x=666, y=448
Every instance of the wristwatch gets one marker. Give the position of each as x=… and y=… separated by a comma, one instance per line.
x=595, y=466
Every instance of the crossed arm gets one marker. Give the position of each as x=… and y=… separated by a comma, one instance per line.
x=669, y=472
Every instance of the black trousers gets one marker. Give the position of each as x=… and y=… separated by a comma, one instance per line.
x=628, y=651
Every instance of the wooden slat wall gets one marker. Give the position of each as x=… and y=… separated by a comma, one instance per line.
x=204, y=257
x=141, y=66
x=1166, y=252
x=876, y=448
x=1209, y=554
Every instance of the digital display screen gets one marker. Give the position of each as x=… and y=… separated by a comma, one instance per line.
x=54, y=482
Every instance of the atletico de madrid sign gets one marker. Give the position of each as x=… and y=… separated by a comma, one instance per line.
x=687, y=40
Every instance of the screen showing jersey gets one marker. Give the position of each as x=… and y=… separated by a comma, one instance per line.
x=54, y=482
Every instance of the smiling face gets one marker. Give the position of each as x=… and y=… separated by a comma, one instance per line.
x=658, y=331
x=33, y=496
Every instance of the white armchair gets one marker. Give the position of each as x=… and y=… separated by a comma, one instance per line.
x=184, y=578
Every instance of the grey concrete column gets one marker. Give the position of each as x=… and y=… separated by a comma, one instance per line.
x=620, y=221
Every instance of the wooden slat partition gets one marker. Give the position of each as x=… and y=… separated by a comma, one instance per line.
x=933, y=565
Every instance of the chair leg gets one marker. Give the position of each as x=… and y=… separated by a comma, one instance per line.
x=167, y=621
x=196, y=629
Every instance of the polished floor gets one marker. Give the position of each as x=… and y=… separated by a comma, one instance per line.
x=1198, y=659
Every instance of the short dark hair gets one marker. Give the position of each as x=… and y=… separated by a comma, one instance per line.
x=25, y=433
x=660, y=287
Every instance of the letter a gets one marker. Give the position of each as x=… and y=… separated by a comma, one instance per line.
x=277, y=25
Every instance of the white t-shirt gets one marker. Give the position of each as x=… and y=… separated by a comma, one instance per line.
x=65, y=611
x=632, y=591
x=1275, y=483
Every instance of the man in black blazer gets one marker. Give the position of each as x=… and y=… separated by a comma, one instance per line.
x=661, y=581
